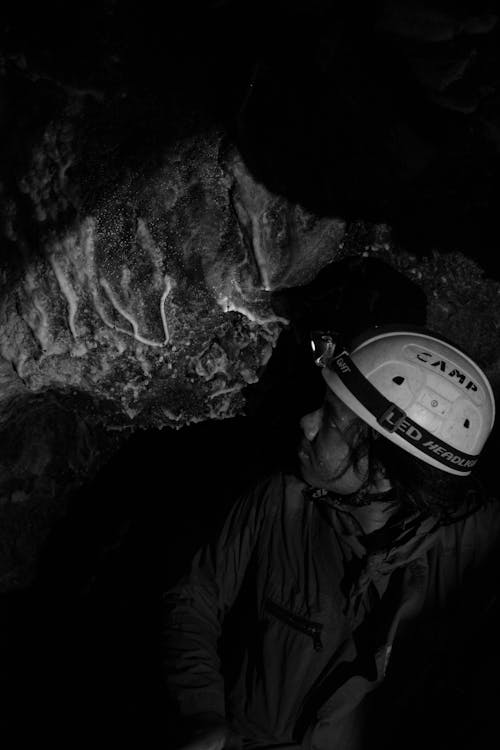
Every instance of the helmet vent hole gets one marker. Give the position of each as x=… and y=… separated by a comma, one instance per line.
x=399, y=380
x=467, y=423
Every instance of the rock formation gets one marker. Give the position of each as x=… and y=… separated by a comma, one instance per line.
x=154, y=198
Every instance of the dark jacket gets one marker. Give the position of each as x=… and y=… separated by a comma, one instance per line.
x=326, y=605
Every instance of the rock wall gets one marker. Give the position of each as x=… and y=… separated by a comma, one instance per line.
x=151, y=308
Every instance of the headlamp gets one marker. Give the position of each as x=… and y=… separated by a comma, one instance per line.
x=323, y=346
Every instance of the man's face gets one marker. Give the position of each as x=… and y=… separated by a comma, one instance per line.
x=329, y=436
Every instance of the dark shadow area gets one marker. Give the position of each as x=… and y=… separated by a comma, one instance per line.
x=80, y=648
x=441, y=688
x=336, y=105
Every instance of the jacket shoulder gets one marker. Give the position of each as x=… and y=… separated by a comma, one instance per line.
x=275, y=492
x=478, y=530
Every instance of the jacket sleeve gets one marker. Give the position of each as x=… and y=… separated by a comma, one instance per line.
x=195, y=608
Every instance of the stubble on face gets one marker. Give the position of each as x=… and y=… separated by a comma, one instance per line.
x=333, y=459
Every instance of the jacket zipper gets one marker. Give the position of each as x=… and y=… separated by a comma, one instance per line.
x=312, y=629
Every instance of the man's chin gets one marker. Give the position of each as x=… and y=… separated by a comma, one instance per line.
x=310, y=476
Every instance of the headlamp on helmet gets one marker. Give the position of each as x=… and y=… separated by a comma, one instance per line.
x=323, y=346
x=418, y=390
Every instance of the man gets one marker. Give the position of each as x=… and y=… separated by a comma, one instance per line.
x=378, y=529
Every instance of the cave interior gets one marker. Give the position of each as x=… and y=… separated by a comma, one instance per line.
x=338, y=108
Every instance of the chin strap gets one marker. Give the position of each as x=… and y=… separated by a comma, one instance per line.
x=346, y=502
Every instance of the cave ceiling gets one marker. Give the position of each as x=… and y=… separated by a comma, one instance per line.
x=168, y=176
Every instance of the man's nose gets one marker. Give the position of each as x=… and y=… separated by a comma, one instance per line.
x=310, y=423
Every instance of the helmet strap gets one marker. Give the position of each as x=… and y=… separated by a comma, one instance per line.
x=392, y=419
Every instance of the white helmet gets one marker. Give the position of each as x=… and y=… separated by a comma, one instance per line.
x=416, y=389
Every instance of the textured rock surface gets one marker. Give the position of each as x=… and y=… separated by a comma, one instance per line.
x=463, y=303
x=153, y=310
x=159, y=302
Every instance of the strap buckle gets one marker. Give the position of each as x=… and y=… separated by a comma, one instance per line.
x=392, y=417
